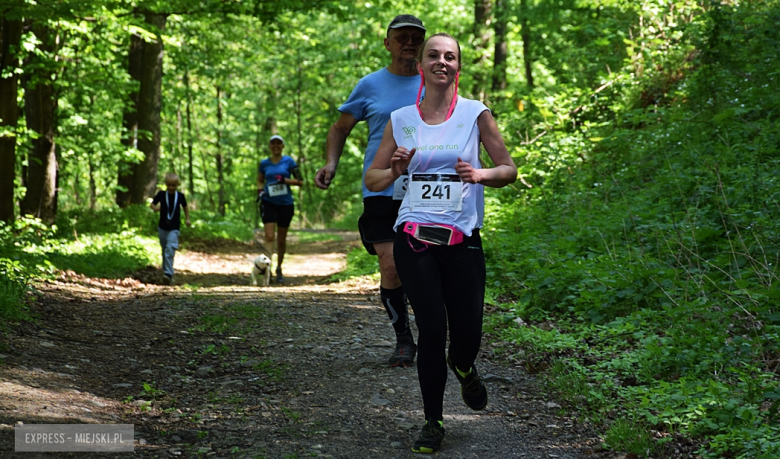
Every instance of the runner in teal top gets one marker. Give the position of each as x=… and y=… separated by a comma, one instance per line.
x=274, y=177
x=277, y=187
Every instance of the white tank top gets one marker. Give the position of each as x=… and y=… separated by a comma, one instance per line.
x=431, y=196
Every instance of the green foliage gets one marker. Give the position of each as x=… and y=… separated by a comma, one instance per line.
x=209, y=225
x=110, y=256
x=629, y=437
x=109, y=220
x=38, y=251
x=13, y=286
x=313, y=236
x=649, y=235
x=359, y=263
x=278, y=66
x=650, y=238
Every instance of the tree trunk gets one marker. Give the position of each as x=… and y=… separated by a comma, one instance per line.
x=92, y=184
x=500, y=52
x=189, y=137
x=302, y=160
x=220, y=158
x=39, y=106
x=10, y=34
x=525, y=34
x=270, y=129
x=481, y=43
x=149, y=107
x=130, y=122
x=177, y=148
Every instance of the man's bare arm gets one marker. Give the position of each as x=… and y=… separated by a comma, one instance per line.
x=334, y=148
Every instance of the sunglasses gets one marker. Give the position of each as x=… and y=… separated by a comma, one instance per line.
x=417, y=40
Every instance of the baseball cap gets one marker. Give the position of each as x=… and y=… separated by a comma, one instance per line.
x=405, y=20
x=277, y=137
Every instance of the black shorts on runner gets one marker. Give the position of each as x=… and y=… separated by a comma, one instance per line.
x=376, y=223
x=274, y=213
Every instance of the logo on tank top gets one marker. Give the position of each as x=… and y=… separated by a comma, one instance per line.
x=408, y=131
x=459, y=126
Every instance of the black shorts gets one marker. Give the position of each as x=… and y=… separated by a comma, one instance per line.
x=376, y=223
x=274, y=213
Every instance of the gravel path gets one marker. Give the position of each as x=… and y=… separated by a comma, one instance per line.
x=216, y=368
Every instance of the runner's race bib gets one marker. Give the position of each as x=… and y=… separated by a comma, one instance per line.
x=436, y=192
x=277, y=189
x=399, y=187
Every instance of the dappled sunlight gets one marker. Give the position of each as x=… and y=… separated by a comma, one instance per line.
x=39, y=396
x=294, y=265
x=198, y=367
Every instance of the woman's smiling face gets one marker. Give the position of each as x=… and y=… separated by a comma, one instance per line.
x=276, y=147
x=440, y=60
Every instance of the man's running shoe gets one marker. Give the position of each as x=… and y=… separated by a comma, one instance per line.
x=472, y=388
x=430, y=438
x=403, y=355
x=279, y=277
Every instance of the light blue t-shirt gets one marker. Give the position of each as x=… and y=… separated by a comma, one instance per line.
x=376, y=96
x=270, y=170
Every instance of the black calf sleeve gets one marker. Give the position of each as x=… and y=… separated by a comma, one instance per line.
x=394, y=301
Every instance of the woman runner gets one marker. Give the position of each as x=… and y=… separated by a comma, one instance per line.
x=437, y=249
x=274, y=177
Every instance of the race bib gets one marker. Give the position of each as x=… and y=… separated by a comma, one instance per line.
x=436, y=192
x=277, y=189
x=399, y=187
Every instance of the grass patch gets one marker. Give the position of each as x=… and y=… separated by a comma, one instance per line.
x=41, y=250
x=573, y=386
x=209, y=225
x=248, y=311
x=315, y=236
x=630, y=437
x=13, y=286
x=274, y=370
x=216, y=323
x=359, y=263
x=98, y=255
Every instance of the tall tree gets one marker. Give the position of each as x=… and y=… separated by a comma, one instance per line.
x=190, y=173
x=149, y=106
x=500, y=51
x=525, y=34
x=40, y=103
x=126, y=169
x=220, y=158
x=482, y=9
x=10, y=34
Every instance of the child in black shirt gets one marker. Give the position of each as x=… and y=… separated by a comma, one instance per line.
x=169, y=204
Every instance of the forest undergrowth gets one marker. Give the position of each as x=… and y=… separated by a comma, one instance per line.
x=636, y=273
x=642, y=279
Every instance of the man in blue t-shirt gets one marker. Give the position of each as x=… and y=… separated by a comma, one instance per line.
x=373, y=99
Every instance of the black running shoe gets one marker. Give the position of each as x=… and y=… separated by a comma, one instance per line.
x=279, y=277
x=403, y=355
x=430, y=438
x=472, y=388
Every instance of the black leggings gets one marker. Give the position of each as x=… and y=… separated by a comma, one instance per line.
x=445, y=286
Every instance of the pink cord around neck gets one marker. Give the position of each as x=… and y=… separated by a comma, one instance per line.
x=454, y=96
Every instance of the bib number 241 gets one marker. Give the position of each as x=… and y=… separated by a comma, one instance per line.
x=436, y=192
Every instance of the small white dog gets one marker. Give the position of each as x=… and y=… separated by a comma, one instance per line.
x=261, y=266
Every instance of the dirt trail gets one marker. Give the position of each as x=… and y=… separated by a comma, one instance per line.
x=212, y=367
